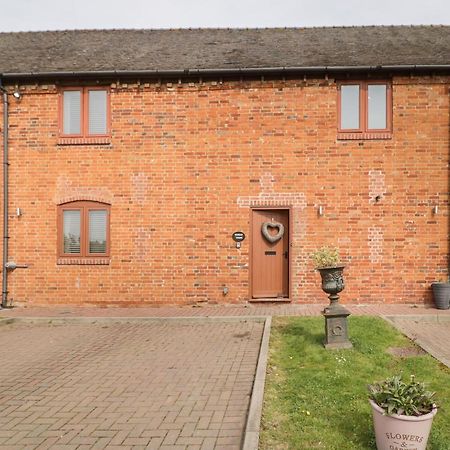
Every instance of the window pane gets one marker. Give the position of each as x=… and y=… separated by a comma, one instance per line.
x=97, y=112
x=350, y=107
x=71, y=229
x=97, y=231
x=377, y=106
x=72, y=112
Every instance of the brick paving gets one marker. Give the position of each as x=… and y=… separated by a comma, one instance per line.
x=432, y=335
x=126, y=384
x=253, y=309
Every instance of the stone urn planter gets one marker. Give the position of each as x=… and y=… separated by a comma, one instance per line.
x=336, y=326
x=441, y=295
x=402, y=414
x=332, y=282
x=331, y=271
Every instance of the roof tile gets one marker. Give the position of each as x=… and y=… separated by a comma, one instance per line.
x=205, y=49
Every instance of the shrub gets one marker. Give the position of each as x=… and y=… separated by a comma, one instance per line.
x=397, y=397
x=326, y=257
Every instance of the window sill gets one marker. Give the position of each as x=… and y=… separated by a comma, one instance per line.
x=65, y=261
x=364, y=136
x=106, y=140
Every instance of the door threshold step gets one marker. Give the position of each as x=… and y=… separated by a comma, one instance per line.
x=272, y=299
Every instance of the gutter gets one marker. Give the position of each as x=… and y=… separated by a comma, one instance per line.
x=226, y=71
x=5, y=197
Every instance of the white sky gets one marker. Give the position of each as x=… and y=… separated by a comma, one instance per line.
x=24, y=15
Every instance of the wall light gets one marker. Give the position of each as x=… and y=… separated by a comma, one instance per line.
x=17, y=95
x=435, y=209
x=320, y=210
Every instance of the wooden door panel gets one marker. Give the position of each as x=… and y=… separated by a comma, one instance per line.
x=270, y=261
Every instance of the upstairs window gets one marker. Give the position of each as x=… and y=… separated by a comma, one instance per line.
x=83, y=229
x=365, y=108
x=84, y=112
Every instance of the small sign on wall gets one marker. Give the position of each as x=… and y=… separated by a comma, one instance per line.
x=238, y=237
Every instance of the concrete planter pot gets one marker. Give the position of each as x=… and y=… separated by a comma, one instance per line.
x=397, y=432
x=441, y=295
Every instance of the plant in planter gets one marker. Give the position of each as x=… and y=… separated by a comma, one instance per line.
x=326, y=257
x=402, y=413
x=441, y=294
x=328, y=263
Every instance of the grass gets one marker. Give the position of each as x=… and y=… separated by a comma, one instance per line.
x=317, y=398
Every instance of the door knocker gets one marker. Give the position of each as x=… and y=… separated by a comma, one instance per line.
x=272, y=238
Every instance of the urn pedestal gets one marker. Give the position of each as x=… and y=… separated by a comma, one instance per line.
x=336, y=328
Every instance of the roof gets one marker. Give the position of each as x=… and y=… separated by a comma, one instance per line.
x=223, y=49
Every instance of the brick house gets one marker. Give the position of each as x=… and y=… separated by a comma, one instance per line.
x=134, y=155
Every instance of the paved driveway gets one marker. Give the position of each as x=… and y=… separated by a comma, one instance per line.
x=128, y=384
x=431, y=333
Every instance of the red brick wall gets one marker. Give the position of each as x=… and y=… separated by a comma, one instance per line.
x=187, y=161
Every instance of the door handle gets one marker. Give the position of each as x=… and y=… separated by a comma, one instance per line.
x=286, y=253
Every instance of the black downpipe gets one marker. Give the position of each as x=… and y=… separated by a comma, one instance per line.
x=5, y=198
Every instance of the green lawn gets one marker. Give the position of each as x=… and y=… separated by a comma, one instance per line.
x=317, y=398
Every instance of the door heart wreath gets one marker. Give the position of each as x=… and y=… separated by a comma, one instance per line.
x=272, y=237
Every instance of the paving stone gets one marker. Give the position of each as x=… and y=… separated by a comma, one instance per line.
x=157, y=385
x=430, y=335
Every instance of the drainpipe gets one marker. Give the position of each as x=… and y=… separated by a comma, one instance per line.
x=5, y=198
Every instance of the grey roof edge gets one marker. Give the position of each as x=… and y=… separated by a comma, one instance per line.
x=225, y=71
x=225, y=28
x=212, y=28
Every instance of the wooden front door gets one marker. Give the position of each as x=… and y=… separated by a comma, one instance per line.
x=270, y=260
